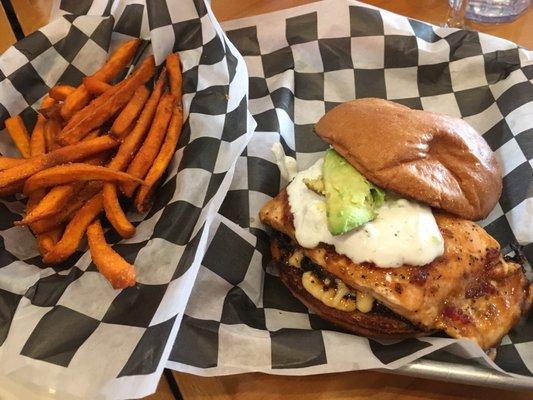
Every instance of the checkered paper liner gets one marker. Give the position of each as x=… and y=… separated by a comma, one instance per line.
x=64, y=328
x=302, y=62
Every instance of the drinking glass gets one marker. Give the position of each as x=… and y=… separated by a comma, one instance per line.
x=488, y=11
x=456, y=14
x=496, y=11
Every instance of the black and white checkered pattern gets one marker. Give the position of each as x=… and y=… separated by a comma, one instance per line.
x=65, y=327
x=302, y=62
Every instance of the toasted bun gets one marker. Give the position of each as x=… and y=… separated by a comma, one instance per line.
x=376, y=323
x=430, y=157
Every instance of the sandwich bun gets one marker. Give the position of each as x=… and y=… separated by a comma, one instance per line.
x=426, y=156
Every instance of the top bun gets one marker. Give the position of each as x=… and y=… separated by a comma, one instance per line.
x=430, y=157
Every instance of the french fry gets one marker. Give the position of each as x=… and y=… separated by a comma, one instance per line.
x=12, y=188
x=74, y=231
x=47, y=102
x=125, y=153
x=94, y=86
x=92, y=135
x=16, y=129
x=149, y=149
x=46, y=241
x=119, y=60
x=110, y=264
x=63, y=173
x=9, y=162
x=133, y=141
x=56, y=220
x=51, y=111
x=143, y=197
x=75, y=152
x=61, y=92
x=37, y=147
x=114, y=212
x=105, y=106
x=52, y=128
x=114, y=65
x=58, y=196
x=37, y=139
x=74, y=172
x=130, y=112
x=51, y=203
x=74, y=102
x=34, y=199
x=174, y=75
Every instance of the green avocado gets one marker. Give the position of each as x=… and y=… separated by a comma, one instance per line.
x=351, y=200
x=316, y=185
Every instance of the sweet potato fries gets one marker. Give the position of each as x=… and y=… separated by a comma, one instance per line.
x=89, y=145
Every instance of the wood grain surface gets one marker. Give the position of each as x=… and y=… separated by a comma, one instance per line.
x=361, y=385
x=366, y=385
x=7, y=37
x=433, y=11
x=32, y=14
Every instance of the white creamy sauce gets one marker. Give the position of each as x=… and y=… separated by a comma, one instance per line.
x=287, y=165
x=404, y=231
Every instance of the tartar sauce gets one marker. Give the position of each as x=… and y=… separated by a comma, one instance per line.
x=404, y=231
x=287, y=165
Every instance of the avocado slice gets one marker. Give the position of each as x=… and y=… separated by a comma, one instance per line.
x=351, y=200
x=316, y=185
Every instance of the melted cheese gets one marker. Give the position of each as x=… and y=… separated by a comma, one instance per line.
x=404, y=231
x=335, y=297
x=331, y=297
x=296, y=258
x=365, y=302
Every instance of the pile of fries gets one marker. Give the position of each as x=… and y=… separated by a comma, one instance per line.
x=90, y=144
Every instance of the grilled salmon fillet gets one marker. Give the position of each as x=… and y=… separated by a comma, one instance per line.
x=471, y=291
x=379, y=322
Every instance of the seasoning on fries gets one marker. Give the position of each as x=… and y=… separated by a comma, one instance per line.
x=88, y=142
x=38, y=147
x=111, y=265
x=116, y=64
x=174, y=75
x=51, y=203
x=133, y=141
x=75, y=230
x=67, y=212
x=12, y=188
x=63, y=155
x=75, y=172
x=52, y=127
x=148, y=151
x=9, y=162
x=38, y=140
x=130, y=112
x=144, y=195
x=61, y=92
x=46, y=241
x=94, y=86
x=114, y=212
x=105, y=106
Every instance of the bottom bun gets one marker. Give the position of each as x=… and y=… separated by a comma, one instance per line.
x=379, y=323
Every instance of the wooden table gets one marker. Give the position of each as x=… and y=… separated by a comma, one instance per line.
x=366, y=385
